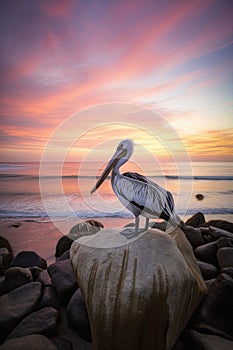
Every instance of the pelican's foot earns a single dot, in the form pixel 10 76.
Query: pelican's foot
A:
pixel 129 233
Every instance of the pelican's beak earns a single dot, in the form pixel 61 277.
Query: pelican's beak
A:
pixel 117 155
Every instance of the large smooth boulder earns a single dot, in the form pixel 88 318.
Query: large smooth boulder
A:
pixel 16 305
pixel 44 321
pixel 139 292
pixel 32 342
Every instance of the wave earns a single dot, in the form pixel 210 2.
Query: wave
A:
pixel 91 177
pixel 99 214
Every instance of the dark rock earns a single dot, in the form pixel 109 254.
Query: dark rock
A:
pixel 209 282
pixel 63 245
pixel 14 278
pixel 199 196
pixel 208 271
pixel 63 279
pixel 160 225
pixel 222 224
pixel 64 256
pixel 61 343
pixel 225 257
pixel 35 270
pixel 77 316
pixel 84 228
pixel 228 271
pixel 207 253
pixel 6 254
pixel 29 259
pixel 216 310
pixel 193 235
pixel 179 345
pixel 44 321
pixel 16 225
pixel 45 279
pixel 95 223
pixel 49 298
pixel 196 220
pixel 16 305
pixel 225 242
pixel 32 342
pixel 199 341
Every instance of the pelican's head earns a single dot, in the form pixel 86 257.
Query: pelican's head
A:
pixel 123 153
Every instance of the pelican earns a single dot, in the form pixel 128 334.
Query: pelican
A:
pixel 137 193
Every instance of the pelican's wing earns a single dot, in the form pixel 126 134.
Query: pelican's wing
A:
pixel 146 195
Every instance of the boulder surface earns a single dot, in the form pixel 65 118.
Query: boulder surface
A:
pixel 139 292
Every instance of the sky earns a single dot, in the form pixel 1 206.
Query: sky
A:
pixel 62 57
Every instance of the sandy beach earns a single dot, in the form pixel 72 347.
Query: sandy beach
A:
pixel 42 235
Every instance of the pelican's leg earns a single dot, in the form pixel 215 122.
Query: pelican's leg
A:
pixel 131 232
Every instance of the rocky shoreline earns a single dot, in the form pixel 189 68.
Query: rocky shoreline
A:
pixel 42 306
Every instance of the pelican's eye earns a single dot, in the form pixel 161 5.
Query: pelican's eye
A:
pixel 120 147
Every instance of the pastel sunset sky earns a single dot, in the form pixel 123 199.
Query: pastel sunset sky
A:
pixel 59 57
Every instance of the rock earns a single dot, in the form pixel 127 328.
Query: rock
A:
pixel 199 341
pixel 193 235
pixel 199 196
pixel 63 245
pixel 217 233
pixel 225 242
pixel 14 278
pixel 160 225
pixel 49 298
pixel 45 279
pixel 36 271
pixel 209 282
pixel 16 225
pixel 43 321
pixel 179 345
pixel 222 224
pixel 18 304
pixel 228 271
pixel 65 255
pixel 196 220
pixel 137 291
pixel 216 311
pixel 63 279
pixel 85 228
pixel 207 253
pixel 29 259
pixel 61 343
pixel 6 254
pixel 32 342
pixel 77 316
pixel 225 257
pixel 208 271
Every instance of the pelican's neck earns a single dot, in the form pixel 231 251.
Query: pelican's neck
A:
pixel 116 169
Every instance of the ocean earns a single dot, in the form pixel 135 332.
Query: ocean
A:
pixel 61 191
